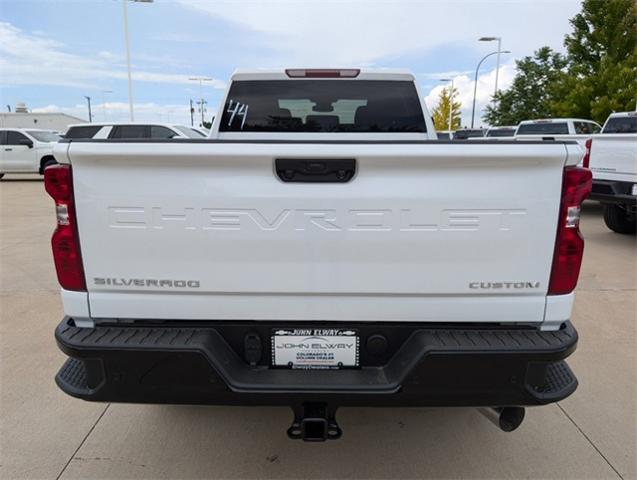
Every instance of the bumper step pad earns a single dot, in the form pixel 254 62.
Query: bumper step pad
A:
pixel 72 377
pixel 559 378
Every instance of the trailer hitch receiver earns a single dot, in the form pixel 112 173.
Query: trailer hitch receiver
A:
pixel 314 422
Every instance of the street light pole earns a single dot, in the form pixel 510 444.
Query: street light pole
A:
pixel 497 68
pixel 90 114
pixel 450 100
pixel 475 82
pixel 128 67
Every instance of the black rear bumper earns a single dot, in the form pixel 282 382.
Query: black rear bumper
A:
pixel 425 366
pixel 612 191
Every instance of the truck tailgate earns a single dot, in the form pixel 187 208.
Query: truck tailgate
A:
pixel 614 157
pixel 423 232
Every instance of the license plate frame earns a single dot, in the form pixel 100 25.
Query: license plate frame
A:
pixel 315 348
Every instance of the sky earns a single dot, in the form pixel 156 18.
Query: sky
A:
pixel 53 53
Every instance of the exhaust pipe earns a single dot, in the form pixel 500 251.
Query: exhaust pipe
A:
pixel 506 419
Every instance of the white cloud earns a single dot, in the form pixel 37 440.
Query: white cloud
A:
pixel 448 74
pixel 484 92
pixel 35 60
pixel 316 33
pixel 106 55
pixel 351 32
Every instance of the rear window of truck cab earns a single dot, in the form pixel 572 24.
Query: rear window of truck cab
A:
pixel 82 132
pixel 322 106
pixel 501 132
pixel 543 128
pixel 621 125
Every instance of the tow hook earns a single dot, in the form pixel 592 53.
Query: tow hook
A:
pixel 314 422
pixel 506 419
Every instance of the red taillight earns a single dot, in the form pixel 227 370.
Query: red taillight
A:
pixel 322 72
pixel 587 155
pixel 65 242
pixel 569 244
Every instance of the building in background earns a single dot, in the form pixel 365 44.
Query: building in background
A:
pixel 22 118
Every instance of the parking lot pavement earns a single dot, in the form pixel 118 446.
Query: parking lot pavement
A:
pixel 46 434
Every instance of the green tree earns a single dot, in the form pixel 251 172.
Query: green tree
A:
pixel 533 91
pixel 602 69
pixel 440 112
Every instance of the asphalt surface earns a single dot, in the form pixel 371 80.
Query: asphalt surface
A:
pixel 46 434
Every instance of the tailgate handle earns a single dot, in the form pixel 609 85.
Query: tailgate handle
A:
pixel 311 170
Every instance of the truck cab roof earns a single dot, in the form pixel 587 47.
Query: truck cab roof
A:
pixel 623 114
pixel 324 73
pixel 554 120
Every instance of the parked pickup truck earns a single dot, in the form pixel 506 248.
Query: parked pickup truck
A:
pixel 612 157
pixel 132 131
pixel 26 150
pixel 321 250
pixel 577 129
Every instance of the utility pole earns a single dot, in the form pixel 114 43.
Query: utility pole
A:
pixel 203 106
pixel 90 114
pixel 192 114
pixel 201 101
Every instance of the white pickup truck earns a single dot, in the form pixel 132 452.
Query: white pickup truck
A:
pixel 127 130
pixel 577 129
pixel 26 150
pixel 321 250
pixel 573 129
pixel 612 157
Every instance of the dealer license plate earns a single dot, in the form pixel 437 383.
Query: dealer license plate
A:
pixel 315 348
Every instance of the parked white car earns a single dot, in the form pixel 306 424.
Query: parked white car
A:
pixel 26 150
pixel 126 131
pixel 612 157
pixel 204 131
